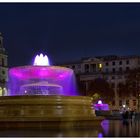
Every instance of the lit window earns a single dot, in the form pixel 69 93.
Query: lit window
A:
pixel 0 91
pixel 100 66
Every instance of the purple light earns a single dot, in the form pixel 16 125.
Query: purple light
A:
pixel 36 75
pixel 101 106
pixel 105 126
pixel 41 79
pixel 100 135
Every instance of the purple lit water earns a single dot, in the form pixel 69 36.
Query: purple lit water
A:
pixel 41 79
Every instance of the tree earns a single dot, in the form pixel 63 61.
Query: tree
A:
pixel 102 88
pixel 133 83
pixel 80 85
pixel 124 90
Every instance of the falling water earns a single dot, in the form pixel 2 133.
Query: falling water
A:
pixel 42 79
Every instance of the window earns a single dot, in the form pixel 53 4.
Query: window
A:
pixel 3 72
pixel 120 102
pixel 113 70
pixel 120 69
pixel 120 63
pixel 93 67
pixel 113 102
pixel 127 102
pixel 113 77
pixel 73 67
pixel 106 63
pixel 120 77
pixel 2 61
pixel 0 91
pixel 127 68
pixel 113 63
pixel 86 66
pixel 78 66
pixel 106 69
pixel 112 85
pixel 127 62
pixel 100 66
pixel 134 102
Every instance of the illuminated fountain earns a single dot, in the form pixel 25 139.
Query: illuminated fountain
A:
pixel 41 79
pixel 44 93
pixel 101 106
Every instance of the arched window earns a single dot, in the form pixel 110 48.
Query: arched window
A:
pixel 2 62
pixel 4 91
pixel 0 91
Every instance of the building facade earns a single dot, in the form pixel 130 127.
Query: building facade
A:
pixel 111 68
pixel 3 68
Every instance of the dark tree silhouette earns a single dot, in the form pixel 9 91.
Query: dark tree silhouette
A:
pixel 102 88
pixel 133 84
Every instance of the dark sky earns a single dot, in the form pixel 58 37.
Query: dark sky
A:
pixel 67 32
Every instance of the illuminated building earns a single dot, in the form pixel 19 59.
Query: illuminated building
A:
pixel 112 69
pixel 3 68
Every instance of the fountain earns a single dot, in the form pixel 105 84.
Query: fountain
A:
pixel 101 106
pixel 45 95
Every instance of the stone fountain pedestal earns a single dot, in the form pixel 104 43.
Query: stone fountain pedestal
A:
pixel 52 112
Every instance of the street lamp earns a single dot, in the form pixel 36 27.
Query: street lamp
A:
pixel 124 106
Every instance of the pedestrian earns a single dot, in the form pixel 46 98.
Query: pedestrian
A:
pixel 125 117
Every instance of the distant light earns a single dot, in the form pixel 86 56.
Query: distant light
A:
pixel 41 60
pixel 100 102
pixel 25 91
pixel 123 106
pixel 100 65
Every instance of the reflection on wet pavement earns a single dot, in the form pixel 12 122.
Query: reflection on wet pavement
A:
pixel 110 128
pixel 116 128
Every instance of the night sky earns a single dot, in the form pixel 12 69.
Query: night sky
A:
pixel 67 32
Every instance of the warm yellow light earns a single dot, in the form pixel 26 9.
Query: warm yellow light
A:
pixel 100 66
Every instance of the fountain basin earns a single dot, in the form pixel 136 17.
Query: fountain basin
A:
pixel 47 111
pixel 45 107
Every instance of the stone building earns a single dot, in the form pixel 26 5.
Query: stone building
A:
pixel 111 68
pixel 3 68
